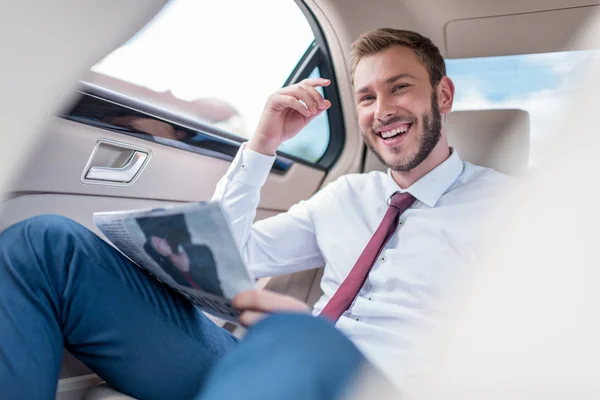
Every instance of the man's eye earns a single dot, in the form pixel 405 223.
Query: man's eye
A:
pixel 400 87
pixel 366 98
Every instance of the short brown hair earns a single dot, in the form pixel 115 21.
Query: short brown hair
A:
pixel 375 41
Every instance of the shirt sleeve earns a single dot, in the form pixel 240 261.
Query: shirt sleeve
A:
pixel 278 245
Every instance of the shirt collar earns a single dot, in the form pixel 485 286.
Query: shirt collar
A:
pixel 434 184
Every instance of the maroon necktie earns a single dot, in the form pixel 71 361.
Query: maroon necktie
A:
pixel 348 290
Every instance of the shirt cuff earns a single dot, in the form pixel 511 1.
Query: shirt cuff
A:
pixel 250 168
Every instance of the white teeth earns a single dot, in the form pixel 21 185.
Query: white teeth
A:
pixel 394 132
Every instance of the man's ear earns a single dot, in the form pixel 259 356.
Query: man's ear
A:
pixel 445 95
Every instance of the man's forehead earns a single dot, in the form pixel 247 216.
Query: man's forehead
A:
pixel 387 66
pixel 386 81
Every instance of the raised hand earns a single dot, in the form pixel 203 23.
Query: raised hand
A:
pixel 286 112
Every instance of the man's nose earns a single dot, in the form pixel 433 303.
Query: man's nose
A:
pixel 385 109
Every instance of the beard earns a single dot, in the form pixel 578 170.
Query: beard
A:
pixel 428 138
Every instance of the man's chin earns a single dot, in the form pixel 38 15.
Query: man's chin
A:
pixel 391 157
pixel 395 162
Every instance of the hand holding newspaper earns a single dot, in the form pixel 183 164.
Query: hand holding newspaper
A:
pixel 188 247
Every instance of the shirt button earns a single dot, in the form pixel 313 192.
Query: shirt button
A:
pixel 357 319
pixel 369 299
pixel 382 258
pixel 243 166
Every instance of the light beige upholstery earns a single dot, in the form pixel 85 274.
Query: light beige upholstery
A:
pixel 303 285
pixel 497 139
pixel 105 392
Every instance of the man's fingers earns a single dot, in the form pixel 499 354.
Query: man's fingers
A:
pixel 267 301
pixel 320 102
pixel 301 92
pixel 249 318
pixel 281 101
pixel 316 82
pixel 305 91
pixel 257 304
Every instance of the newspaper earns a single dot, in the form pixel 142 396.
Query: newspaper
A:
pixel 188 247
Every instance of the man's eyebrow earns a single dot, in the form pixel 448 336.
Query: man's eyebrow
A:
pixel 388 81
pixel 399 76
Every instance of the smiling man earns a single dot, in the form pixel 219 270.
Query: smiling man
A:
pixel 392 244
pixel 401 93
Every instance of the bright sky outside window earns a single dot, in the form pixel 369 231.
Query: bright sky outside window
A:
pixel 212 55
pixel 535 82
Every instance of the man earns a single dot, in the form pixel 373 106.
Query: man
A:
pixel 389 242
pixel 402 95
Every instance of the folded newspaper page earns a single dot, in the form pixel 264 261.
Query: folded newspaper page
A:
pixel 188 247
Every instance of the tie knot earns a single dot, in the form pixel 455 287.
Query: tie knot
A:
pixel 402 201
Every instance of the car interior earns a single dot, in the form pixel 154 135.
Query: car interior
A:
pixel 91 139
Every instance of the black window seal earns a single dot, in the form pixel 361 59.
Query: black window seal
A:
pixel 309 61
pixel 321 57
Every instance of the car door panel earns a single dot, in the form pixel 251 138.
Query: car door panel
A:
pixel 51 180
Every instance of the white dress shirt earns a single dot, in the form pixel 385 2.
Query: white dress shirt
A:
pixel 439 238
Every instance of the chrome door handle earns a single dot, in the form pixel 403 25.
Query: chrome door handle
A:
pixel 123 174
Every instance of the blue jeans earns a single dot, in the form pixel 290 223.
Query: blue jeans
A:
pixel 62 286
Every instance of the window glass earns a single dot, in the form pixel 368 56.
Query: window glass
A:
pixel 534 82
pixel 216 62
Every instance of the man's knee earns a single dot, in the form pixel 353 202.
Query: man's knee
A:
pixel 311 338
pixel 47 226
pixel 288 353
pixel 299 325
pixel 40 237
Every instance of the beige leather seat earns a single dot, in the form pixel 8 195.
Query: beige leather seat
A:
pixel 497 139
pixel 105 392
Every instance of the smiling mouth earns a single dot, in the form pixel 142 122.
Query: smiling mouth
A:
pixel 392 134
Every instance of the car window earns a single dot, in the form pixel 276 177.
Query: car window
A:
pixel 217 62
pixel 534 82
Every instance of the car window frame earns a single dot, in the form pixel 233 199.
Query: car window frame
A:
pixel 227 143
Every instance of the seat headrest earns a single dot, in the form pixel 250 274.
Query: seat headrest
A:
pixel 497 139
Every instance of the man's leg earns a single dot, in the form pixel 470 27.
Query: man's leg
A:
pixel 286 356
pixel 61 285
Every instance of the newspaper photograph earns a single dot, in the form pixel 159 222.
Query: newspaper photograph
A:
pixel 189 247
